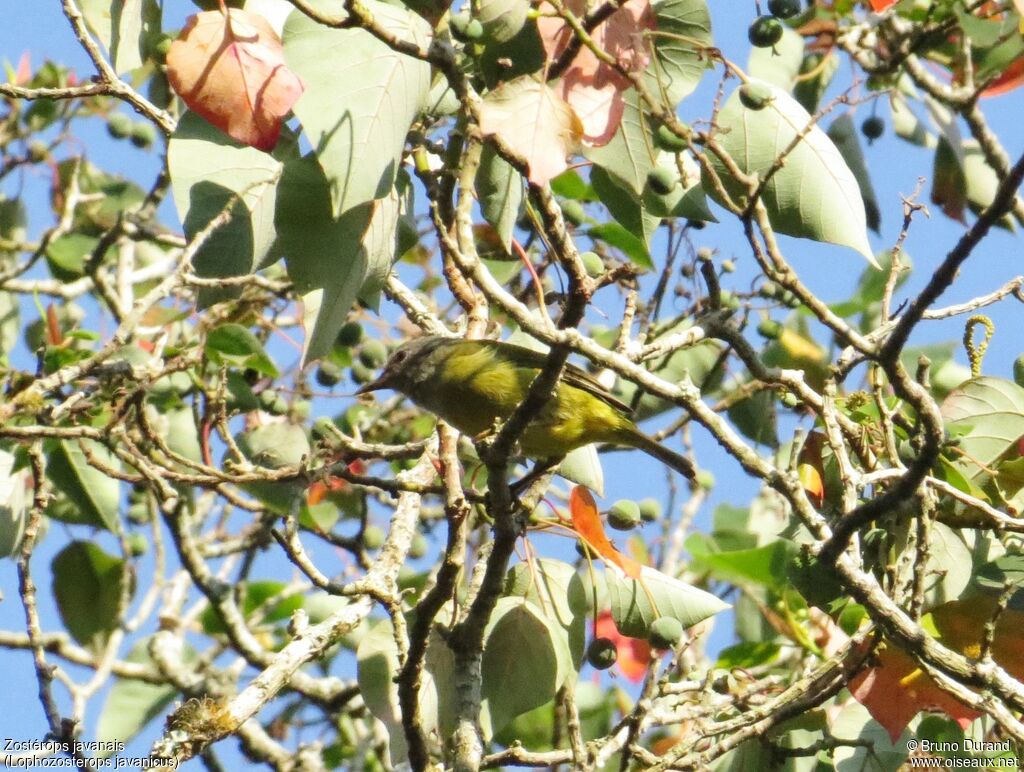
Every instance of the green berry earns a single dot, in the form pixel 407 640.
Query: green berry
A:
pixel 137 544
pixel 755 96
pixel 350 334
pixel 322 428
pixel 665 633
pixel 624 515
pixel 418 548
pixel 784 9
pixel 373 537
pixel 650 510
pixel 267 398
pixel 593 264
pixel 728 266
pixel 1018 370
pixel 373 353
pixel 668 140
pixel 584 551
pixel 300 409
pixel 770 329
pixel 705 254
pixel 143 134
pixel 601 653
pixel 138 513
pixel 790 400
pixel 465 28
pixel 280 406
pixel 328 374
pixel 705 479
pixel 361 374
pixel 765 32
pixel 769 290
pixel 573 212
pixel 873 128
pixel 662 181
pixel 119 125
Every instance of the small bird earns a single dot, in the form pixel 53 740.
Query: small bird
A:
pixel 473 383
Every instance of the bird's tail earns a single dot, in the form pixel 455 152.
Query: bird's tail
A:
pixel 637 439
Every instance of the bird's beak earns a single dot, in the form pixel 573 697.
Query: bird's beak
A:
pixel 383 381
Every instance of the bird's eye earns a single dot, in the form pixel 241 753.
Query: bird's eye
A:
pixel 399 357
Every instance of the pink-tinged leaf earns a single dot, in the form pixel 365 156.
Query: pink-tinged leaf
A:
pixel 24 72
pixel 621 36
pixel 599 109
pixel 231 71
pixel 535 122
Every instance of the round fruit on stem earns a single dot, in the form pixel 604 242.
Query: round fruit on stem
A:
pixel 765 32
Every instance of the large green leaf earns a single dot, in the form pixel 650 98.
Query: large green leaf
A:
pixel 361 97
pixel 631 601
pixel 764 565
pixel 87 588
pixel 631 154
pixel 526 659
pixel 132 704
pixel 987 414
pixel 624 205
pixel 208 169
pixel 583 467
pixel 557 589
pixel 123 27
pixel 683 31
pixel 93 494
pixel 233 344
pixel 814 194
pixel 500 190
pixel 275 446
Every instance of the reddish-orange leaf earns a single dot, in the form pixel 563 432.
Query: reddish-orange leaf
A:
pixel 231 71
pixel 896 689
pixel 586 521
pixel 54 334
pixel 880 5
pixel 632 654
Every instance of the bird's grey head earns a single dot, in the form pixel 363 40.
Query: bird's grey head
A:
pixel 411 364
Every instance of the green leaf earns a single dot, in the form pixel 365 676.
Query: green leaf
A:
pixel 557 589
pixel 87 588
pixel 526 660
pixel 131 704
pixel 123 27
pixel 846 138
pixel 361 97
pixel 211 172
pixel 500 190
pixel 275 446
pixel 988 415
pixel 747 655
pixel 779 64
pixel 809 91
pixel 814 195
pixel 94 495
pixel 982 183
pixel 264 596
pixel 757 419
pixel 877 750
pixel 615 235
pixel 583 467
pixel 764 565
pixel 624 205
pixel 331 259
pixel 237 346
pixel 684 32
pixel 631 154
pixel 376 669
pixel 67 255
pixel 631 601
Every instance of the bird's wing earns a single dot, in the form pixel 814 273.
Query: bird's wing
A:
pixel 572 375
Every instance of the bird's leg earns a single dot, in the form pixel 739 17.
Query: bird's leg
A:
pixel 540 468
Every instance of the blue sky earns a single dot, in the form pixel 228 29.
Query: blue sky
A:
pixel 39 27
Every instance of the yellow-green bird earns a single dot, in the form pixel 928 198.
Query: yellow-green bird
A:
pixel 473 383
